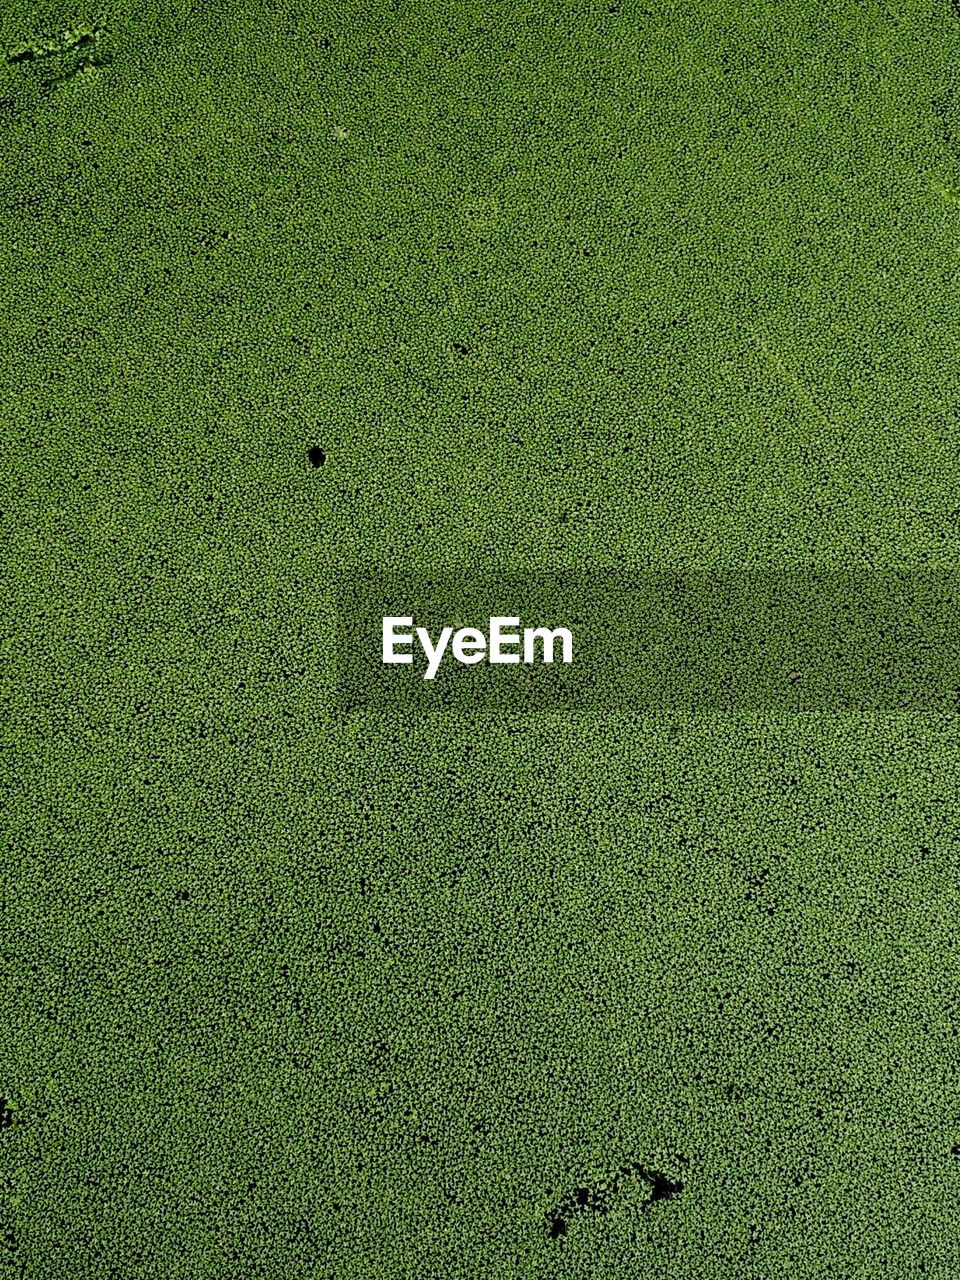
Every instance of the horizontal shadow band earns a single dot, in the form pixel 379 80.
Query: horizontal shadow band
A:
pixel 770 640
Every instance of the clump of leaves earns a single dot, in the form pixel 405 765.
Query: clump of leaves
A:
pixel 76 49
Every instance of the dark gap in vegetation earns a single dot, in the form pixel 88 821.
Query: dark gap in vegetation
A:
pixel 6 1115
pixel 599 1197
pixel 316 455
pixel 661 1186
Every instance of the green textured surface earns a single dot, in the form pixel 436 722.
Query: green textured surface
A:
pixel 289 993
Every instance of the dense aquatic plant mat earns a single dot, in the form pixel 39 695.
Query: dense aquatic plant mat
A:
pixel 300 987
